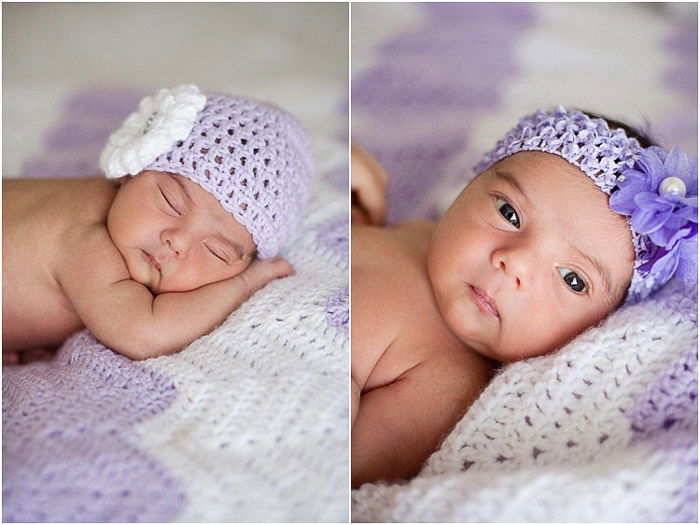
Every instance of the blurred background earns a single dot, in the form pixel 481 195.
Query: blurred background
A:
pixel 292 54
pixel 434 86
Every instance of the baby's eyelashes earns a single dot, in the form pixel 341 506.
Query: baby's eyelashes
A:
pixel 170 202
pixel 573 280
pixel 217 252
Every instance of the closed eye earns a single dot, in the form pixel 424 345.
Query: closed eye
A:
pixel 216 253
pixel 169 203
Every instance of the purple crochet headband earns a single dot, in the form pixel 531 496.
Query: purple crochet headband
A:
pixel 655 190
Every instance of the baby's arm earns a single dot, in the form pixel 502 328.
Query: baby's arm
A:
pixel 369 182
pixel 355 400
pixel 124 315
pixel 399 425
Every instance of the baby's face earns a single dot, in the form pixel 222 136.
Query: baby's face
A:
pixel 528 256
pixel 174 236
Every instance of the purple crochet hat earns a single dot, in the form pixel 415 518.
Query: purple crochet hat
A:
pixel 254 158
pixel 656 191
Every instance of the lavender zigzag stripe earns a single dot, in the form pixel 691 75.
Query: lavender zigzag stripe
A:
pixel 666 418
pixel 337 313
pixel 679 127
pixel 671 402
pixel 684 43
pixel 67 439
pixel 72 146
pixel 426 86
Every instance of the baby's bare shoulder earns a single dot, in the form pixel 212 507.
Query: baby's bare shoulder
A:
pixel 90 255
pixel 396 322
pixel 455 366
pixel 376 297
pixel 59 194
pixel 56 225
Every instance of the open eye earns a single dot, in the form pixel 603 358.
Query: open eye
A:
pixel 572 280
pixel 508 212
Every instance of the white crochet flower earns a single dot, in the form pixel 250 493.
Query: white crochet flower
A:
pixel 153 129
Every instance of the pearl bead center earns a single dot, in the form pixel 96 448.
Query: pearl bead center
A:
pixel 672 186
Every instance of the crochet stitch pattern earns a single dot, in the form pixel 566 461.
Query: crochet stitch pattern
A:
pixel 604 429
pixel 68 431
pixel 255 159
pixel 256 425
pixel 599 152
pixel 596 429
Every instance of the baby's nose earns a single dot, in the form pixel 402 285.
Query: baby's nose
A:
pixel 177 242
pixel 516 264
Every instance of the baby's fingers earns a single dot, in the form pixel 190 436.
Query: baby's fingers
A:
pixel 277 267
pixel 263 271
pixel 10 358
pixel 369 183
pixel 369 206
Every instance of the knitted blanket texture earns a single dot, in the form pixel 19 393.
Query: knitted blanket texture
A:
pixel 247 423
pixel 605 428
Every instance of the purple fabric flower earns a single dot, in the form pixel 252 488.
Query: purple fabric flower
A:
pixel 667 220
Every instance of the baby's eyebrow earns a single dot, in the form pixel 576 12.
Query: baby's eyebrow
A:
pixel 240 252
pixel 182 186
pixel 512 182
pixel 601 268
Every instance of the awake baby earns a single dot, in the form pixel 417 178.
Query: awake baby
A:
pixel 202 193
pixel 568 218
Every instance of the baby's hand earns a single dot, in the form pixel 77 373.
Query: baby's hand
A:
pixel 368 182
pixel 24 357
pixel 263 271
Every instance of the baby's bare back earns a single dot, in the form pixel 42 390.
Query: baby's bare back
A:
pixel 35 216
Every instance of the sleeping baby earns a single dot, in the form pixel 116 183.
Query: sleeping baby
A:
pixel 569 217
pixel 201 194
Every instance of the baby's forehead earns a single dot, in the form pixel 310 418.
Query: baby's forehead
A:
pixel 548 173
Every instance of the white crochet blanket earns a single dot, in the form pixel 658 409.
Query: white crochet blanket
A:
pixel 605 429
pixel 247 423
pixel 250 422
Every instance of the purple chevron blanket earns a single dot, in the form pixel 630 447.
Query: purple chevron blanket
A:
pixel 248 423
pixel 605 429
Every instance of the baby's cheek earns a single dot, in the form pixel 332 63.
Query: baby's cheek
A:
pixel 546 333
pixel 219 272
